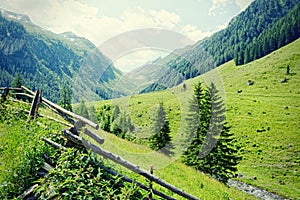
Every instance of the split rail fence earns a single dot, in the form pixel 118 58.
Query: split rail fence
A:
pixel 75 123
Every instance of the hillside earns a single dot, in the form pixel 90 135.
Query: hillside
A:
pixel 242 31
pixel 48 61
pixel 264 118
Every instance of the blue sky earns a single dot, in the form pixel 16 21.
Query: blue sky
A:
pixel 100 20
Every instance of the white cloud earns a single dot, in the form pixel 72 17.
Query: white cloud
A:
pixel 165 18
pixel 222 26
pixel 69 15
pixel 216 5
pixel 243 4
pixel 194 33
pixel 219 4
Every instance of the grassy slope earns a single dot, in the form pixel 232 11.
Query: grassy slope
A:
pixel 272 156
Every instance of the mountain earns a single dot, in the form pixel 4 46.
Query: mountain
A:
pixel 243 31
pixel 48 61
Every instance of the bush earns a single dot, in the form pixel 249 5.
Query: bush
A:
pixel 76 176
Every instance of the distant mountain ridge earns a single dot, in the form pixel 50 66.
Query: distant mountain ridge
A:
pixel 221 47
pixel 47 60
pixel 15 16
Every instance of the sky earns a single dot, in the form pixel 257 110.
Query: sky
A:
pixel 101 20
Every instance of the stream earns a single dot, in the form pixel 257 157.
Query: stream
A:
pixel 255 191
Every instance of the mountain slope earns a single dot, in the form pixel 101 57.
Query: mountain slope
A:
pixel 223 46
pixel 47 60
pixel 264 117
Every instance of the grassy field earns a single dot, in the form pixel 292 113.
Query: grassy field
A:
pixel 264 118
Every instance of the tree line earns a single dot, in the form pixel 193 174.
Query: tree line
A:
pixel 283 32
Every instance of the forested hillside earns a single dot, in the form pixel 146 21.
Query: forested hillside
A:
pixel 248 31
pixel 281 33
pixel 49 61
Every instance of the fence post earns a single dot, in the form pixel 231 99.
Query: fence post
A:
pixel 150 184
pixel 4 95
pixel 35 104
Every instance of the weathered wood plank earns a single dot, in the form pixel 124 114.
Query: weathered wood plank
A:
pixel 4 95
pixel 73 138
pixel 9 88
pixel 56 120
pixel 86 121
pixel 66 117
pixel 35 104
pixel 28 192
pixel 24 94
pixel 47 167
pixel 127 179
pixel 93 136
pixel 54 144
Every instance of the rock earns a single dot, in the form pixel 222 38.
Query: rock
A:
pixel 284 80
pixel 250 82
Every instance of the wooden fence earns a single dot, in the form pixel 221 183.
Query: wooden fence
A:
pixel 76 123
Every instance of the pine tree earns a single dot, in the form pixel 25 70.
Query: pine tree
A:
pixel 104 116
pixel 222 158
pixel 221 162
pixel 92 114
pixel 65 98
pixel 160 128
pixel 120 123
pixel 213 149
pixel 18 81
pixel 115 113
pixel 82 110
pixel 198 121
pixel 115 126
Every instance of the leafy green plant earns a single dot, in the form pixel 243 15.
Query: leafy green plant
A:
pixel 76 175
pixel 21 150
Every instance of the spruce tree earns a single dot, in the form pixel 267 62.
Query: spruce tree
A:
pixel 104 116
pixel 82 110
pixel 17 82
pixel 198 122
pixel 222 158
pixel 160 128
pixel 92 114
pixel 65 98
pixel 213 148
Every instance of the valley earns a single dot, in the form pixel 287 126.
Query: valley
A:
pixel 222 111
